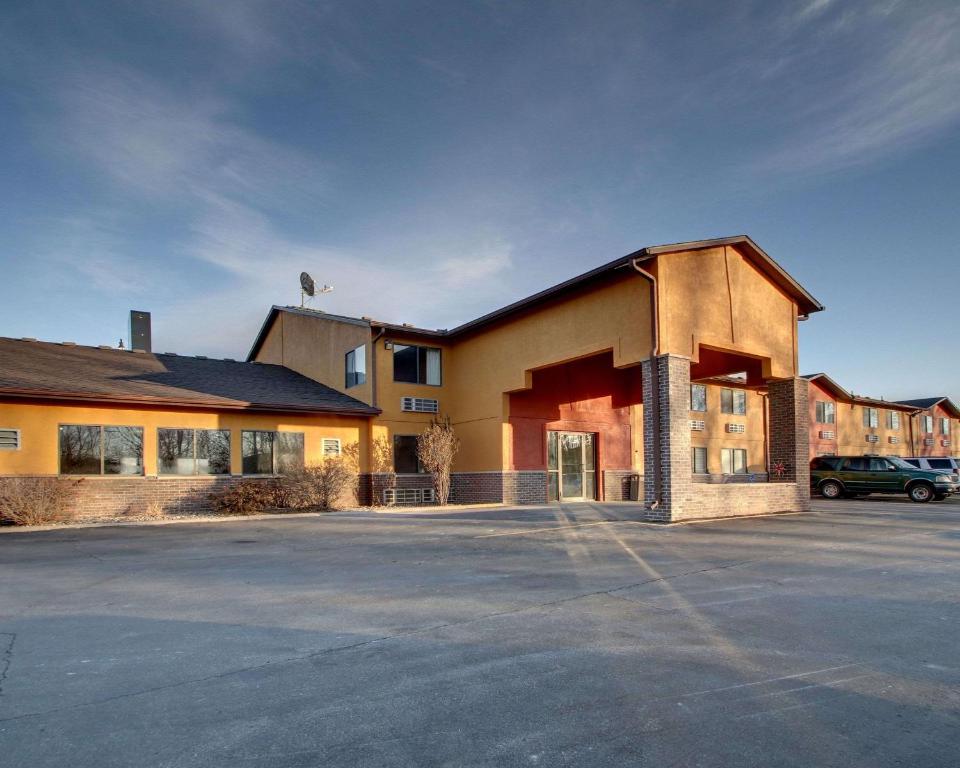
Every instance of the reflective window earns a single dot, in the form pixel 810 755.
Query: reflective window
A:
pixel 871 417
pixel 826 412
pixel 96 450
pixel 356 366
pixel 416 365
pixel 733 401
pixel 193 451
pixel 271 453
pixel 405 460
pixel 698 397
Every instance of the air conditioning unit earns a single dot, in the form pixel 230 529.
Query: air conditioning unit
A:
pixel 737 428
pixel 928 441
pixel 419 405
pixel 945 442
pixel 893 439
pixel 395 496
pixel 697 425
pixel 828 434
pixel 873 439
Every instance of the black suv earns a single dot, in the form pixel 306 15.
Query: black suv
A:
pixel 850 476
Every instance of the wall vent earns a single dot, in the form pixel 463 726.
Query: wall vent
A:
pixel 893 439
pixel 928 441
pixel 873 439
pixel 419 405
pixel 827 434
pixel 697 425
pixel 736 428
pixel 9 439
pixel 945 442
pixel 330 446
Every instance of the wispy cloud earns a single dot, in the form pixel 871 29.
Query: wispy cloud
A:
pixel 904 88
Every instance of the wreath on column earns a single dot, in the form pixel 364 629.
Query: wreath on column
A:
pixel 779 469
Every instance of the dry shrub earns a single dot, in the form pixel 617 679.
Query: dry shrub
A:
pixel 381 463
pixel 248 497
pixel 437 446
pixel 322 485
pixel 37 500
pixel 153 509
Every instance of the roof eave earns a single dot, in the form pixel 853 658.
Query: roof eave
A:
pixel 230 405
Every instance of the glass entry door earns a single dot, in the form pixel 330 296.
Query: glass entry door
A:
pixel 571 466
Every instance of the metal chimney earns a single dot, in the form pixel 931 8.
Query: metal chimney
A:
pixel 140 331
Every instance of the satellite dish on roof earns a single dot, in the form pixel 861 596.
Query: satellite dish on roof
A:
pixel 307 285
pixel 309 288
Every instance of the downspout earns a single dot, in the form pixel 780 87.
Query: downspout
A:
pixel 373 367
pixel 654 388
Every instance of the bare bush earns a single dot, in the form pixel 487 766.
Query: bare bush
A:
pixel 37 500
pixel 153 509
pixel 248 497
pixel 436 448
pixel 381 463
pixel 322 485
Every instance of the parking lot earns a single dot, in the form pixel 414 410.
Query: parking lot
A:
pixel 544 636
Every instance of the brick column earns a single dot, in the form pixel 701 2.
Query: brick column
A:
pixel 666 435
pixel 789 431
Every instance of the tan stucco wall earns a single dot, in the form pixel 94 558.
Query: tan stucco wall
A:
pixel 39 425
pixel 715 437
pixel 716 297
pixel 613 316
pixel 317 349
pixel 851 432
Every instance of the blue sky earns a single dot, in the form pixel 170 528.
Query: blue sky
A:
pixel 436 160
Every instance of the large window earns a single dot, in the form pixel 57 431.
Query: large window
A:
pixel 356 366
pixel 733 401
pixel 96 450
pixel 944 427
pixel 416 365
pixel 405 459
pixel 871 417
pixel 699 460
pixel 271 453
pixel 733 461
pixel 826 412
pixel 698 397
pixel 193 452
pixel 926 423
pixel 893 419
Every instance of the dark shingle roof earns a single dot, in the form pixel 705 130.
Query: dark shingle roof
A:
pixel 923 402
pixel 38 369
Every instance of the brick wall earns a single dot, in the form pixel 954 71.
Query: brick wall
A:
pixel 110 497
pixel 616 484
pixel 521 487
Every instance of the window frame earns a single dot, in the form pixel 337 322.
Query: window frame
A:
pixel 734 452
pixel 945 426
pixel 926 421
pixel 733 394
pixel 822 416
pixel 421 374
pixel 894 416
pixel 702 388
pixel 696 450
pixel 871 417
pixel 102 445
pixel 195 431
pixel 360 377
pixel 273 450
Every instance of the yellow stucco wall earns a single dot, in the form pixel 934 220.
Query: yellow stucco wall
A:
pixel 39 425
pixel 718 298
